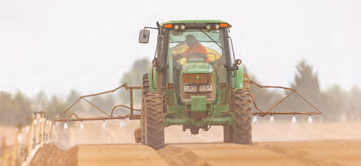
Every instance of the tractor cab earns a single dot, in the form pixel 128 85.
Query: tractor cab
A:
pixel 196 58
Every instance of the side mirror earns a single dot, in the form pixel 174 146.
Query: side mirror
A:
pixel 144 36
pixel 238 62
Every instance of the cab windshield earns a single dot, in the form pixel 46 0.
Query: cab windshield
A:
pixel 208 42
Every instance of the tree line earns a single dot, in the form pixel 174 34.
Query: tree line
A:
pixel 335 103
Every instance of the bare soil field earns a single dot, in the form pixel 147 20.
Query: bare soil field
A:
pixel 324 153
pixel 283 143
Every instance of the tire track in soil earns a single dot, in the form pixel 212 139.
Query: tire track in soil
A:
pixel 325 152
pixel 219 154
pixel 312 153
pixel 119 154
pixel 300 156
pixel 50 154
pixel 177 156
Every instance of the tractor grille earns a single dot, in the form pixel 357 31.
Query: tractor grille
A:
pixel 192 79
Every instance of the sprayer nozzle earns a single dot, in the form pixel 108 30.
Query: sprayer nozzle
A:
pixel 272 119
pixel 81 125
pixel 294 120
pixel 65 126
pixel 104 125
pixel 122 123
pixel 255 119
pixel 309 119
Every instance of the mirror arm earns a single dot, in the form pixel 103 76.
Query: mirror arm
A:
pixel 150 27
pixel 158 27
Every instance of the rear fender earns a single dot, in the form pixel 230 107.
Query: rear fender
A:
pixel 238 78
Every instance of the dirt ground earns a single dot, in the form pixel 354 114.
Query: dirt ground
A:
pixel 283 143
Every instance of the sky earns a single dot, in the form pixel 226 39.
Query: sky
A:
pixel 56 46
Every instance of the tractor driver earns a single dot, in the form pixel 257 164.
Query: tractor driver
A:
pixel 195 50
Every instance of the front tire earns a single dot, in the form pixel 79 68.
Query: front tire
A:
pixel 144 91
pixel 242 114
pixel 154 126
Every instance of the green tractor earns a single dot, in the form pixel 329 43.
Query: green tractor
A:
pixel 194 81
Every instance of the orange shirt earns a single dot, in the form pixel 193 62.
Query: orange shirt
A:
pixel 198 48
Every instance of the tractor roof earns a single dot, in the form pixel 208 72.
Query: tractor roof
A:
pixel 193 21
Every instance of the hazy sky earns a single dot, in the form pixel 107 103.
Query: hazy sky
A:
pixel 87 45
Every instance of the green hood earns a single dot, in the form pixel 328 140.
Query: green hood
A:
pixel 197 65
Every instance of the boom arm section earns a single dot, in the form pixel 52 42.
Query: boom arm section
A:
pixel 269 112
pixel 111 116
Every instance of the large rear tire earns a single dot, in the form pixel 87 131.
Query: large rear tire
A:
pixel 242 114
pixel 144 91
pixel 154 126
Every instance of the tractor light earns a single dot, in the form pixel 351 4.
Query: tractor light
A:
pixel 176 27
pixel 183 27
pixel 205 88
pixel 222 25
pixel 208 27
pixel 217 26
pixel 191 88
pixel 168 26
